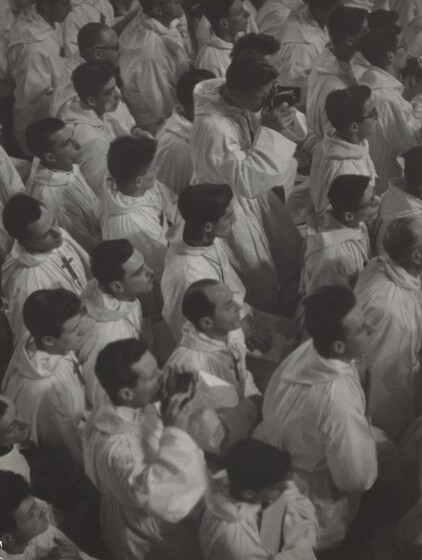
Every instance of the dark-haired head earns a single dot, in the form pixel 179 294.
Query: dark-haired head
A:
pixel 185 86
pixel 346 25
pixel 353 200
pixel 352 112
pixel 260 43
pixel 95 84
pixel 384 46
pixel 53 142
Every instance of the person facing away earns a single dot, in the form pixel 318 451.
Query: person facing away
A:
pixel 337 245
pixel 228 19
pixel 98 95
pixel 111 302
pixel 314 407
pixel 173 158
pixel 135 205
pixel 252 152
pixel 43 256
pixel 44 378
pixel 257 476
pixel 403 197
pixel 149 471
pixel 213 342
pixel 57 181
pixel 264 45
pixel 25 529
pixel 36 60
pixel 398 129
pixel 389 293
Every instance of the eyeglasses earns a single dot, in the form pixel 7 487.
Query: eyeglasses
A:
pixel 372 115
pixel 373 202
pixel 402 45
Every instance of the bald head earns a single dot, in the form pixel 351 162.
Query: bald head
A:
pixel 98 41
pixel 403 243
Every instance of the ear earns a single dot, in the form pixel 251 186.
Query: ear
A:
pixel 49 158
pixel 90 101
pixel 223 23
pixel 338 348
pixel 7 540
pixel 389 57
pixel 354 128
pixel 248 495
pixel 157 10
pixel 48 341
pixel 209 228
pixel 125 395
pixel 205 324
pixel 416 257
pixel 348 216
pixel 350 40
pixel 116 287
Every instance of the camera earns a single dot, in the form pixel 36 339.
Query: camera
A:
pixel 413 68
pixel 179 383
pixel 280 94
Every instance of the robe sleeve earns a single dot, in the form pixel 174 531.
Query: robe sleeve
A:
pixel 174 165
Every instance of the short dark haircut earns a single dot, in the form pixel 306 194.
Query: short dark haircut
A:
pixel 38 135
pixel 14 489
pixel 400 239
pixel 90 77
pixel 375 44
pixel 46 311
pixel 130 155
pixel 382 17
pixel 346 192
pixel 215 10
pixel 186 84
pixel 196 304
pixel 90 35
pixel 20 211
pixel 254 465
pixel 324 311
pixel 413 165
pixel 248 72
pixel 114 366
pixel 346 106
pixel 107 260
pixel 201 204
pixel 344 22
pixel 260 43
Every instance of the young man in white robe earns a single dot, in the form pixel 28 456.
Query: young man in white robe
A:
pixel 173 158
pixel 43 256
pixel 44 379
pixel 232 143
pixel 228 19
pixel 153 56
pixel 149 471
pixel 213 342
pixel 98 95
pixel 403 197
pixel 112 307
pixel 57 182
pixel 257 475
pixel 389 292
pixel 36 60
pixel 10 184
pixel 314 407
pixel 135 205
pixel 398 128
pixel 337 245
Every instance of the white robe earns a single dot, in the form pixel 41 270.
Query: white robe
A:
pixel 173 158
pixel 229 529
pixel 49 395
pixel 72 201
pixel 143 220
pixel 315 408
pixel 214 56
pixel 396 202
pixel 152 59
pixel 398 128
pixel 36 63
pixel 105 320
pixel 10 184
pixel 149 478
pixel 184 265
pixel 334 253
pixel 264 238
pixel 24 273
pixel 15 461
pixel 302 42
pixel 273 15
pixel 216 430
pixel 83 12
pixel 392 302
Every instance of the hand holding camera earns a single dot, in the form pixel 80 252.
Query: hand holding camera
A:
pixel 177 407
pixel 279 113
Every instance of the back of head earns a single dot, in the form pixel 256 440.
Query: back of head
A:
pixel 252 464
pixel 13 491
pixel 323 5
pixel 215 10
pixel 376 43
pixel 130 156
pixel 346 106
pixel 90 35
pixel 324 311
pixel 90 77
pixel 204 203
pixel 378 18
pixel 413 166
pixel 401 239
pixel 107 260
pixel 195 304
pixel 186 84
pixel 346 192
pixel 45 312
pixel 147 6
pixel 249 72
pixel 20 211
pixel 114 363
pixel 38 135
pixel 259 43
pixel 345 22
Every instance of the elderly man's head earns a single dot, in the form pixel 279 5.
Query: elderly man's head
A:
pixel 54 11
pixel 403 243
